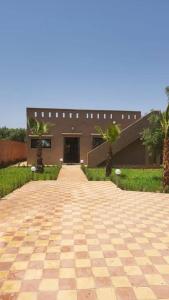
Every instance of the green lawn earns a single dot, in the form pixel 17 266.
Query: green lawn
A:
pixel 148 180
pixel 12 178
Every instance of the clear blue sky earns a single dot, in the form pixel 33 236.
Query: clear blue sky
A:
pixel 110 54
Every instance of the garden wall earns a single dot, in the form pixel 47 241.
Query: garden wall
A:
pixel 11 152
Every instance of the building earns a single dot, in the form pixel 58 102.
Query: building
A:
pixel 74 138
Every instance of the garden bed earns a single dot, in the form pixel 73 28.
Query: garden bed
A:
pixel 147 180
pixel 12 178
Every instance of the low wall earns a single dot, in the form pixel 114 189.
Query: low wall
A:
pixel 11 152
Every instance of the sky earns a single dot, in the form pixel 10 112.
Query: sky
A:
pixel 94 54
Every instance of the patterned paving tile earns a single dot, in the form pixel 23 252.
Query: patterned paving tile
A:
pixel 79 240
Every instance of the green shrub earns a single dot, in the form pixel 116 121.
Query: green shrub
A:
pixel 12 178
pixel 148 180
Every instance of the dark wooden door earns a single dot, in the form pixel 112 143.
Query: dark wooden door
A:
pixel 71 150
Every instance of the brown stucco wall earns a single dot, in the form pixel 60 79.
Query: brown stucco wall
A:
pixel 12 151
pixel 83 127
pixel 132 155
pixel 127 149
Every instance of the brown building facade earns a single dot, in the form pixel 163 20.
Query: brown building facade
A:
pixel 73 135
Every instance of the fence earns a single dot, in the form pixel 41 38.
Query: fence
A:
pixel 11 152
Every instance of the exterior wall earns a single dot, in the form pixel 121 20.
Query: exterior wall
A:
pixel 127 149
pixel 12 151
pixel 133 155
pixel 75 123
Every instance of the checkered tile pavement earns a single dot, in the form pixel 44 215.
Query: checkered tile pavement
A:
pixel 79 240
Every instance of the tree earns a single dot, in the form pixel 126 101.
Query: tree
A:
pixel 110 135
pixel 167 92
pixel 14 134
pixel 165 130
pixel 156 137
pixel 153 137
pixel 39 128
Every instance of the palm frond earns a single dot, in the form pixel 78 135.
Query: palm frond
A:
pixel 167 91
pixel 167 112
pixel 38 127
pixel 110 134
pixel 31 123
pixel 165 123
pixel 100 131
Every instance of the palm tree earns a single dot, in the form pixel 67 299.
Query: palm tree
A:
pixel 39 128
pixel 110 135
pixel 167 92
pixel 165 129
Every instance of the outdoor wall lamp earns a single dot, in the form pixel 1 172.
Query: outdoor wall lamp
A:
pixel 81 161
pixel 61 161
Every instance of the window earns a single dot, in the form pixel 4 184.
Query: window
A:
pixel 77 115
pixel 63 115
pixel 97 141
pixel 128 117
pixel 42 114
pixel 35 114
pixel 122 116
pixel 70 115
pixel 104 116
pixel 91 116
pixel 98 116
pixel 50 114
pixel 135 117
pixel 46 143
pixel 87 116
pixel 111 116
pixel 57 115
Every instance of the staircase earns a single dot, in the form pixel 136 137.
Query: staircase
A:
pixel 128 135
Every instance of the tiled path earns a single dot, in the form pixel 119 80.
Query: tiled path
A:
pixel 79 240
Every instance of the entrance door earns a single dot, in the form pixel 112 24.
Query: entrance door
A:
pixel 71 150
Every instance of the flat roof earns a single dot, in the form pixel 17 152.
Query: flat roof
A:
pixel 81 109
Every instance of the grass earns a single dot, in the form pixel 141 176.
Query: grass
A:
pixel 12 178
pixel 147 180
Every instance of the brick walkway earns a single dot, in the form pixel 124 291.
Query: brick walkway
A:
pixel 79 240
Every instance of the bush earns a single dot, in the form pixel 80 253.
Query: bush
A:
pixel 147 180
pixel 12 178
